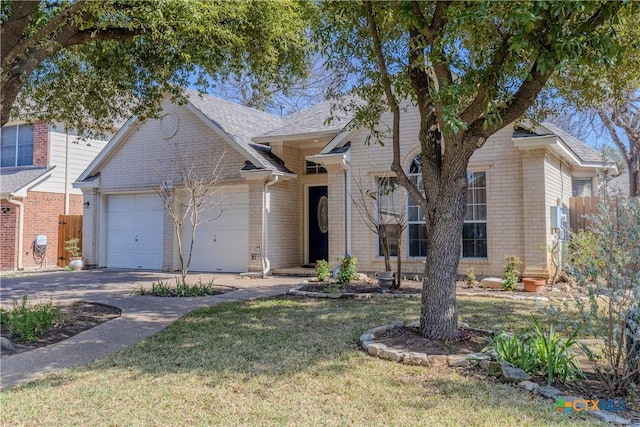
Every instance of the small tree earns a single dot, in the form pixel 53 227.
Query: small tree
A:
pixel 611 313
pixel 194 192
pixel 386 215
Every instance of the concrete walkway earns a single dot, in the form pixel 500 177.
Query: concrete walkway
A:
pixel 142 316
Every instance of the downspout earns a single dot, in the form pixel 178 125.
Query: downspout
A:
pixel 20 228
pixel 265 225
pixel 347 202
pixel 66 172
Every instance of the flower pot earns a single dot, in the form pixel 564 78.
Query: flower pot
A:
pixel 76 263
pixel 533 285
pixel 385 279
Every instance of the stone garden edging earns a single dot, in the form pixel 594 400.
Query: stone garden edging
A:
pixel 486 361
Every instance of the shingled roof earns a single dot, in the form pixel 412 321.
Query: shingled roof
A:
pixel 583 151
pixel 311 120
pixel 241 123
pixel 16 179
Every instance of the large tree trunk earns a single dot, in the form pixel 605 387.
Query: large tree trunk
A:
pixel 444 220
pixel 634 173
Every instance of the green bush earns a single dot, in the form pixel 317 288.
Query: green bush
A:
pixel 28 322
pixel 510 274
pixel 583 255
pixel 323 271
pixel 181 289
pixel 539 352
pixel 347 271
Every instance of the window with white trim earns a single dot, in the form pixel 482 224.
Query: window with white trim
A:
pixel 312 168
pixel 389 204
pixel 16 146
pixel 417 229
pixel 582 187
pixel 474 230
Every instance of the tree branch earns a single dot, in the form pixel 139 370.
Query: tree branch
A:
pixel 392 102
pixel 43 33
pixel 14 27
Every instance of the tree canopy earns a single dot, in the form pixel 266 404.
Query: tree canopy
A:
pixel 98 62
pixel 470 68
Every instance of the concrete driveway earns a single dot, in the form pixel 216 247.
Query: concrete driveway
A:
pixel 141 317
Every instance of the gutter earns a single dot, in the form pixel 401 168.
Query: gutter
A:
pixel 20 205
pixel 266 268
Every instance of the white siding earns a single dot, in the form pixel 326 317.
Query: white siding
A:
pixel 81 153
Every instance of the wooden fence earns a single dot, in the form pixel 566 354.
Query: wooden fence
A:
pixel 578 208
pixel 69 227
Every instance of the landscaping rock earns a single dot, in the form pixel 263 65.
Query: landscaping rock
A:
pixel 438 360
pixel 415 358
pixel 610 417
pixel 366 344
pixel 549 392
pixel 374 349
pixel 492 283
pixel 478 356
pixel 513 375
pixel 458 362
pixel 6 344
pixel 367 337
pixel 528 385
pixel 390 354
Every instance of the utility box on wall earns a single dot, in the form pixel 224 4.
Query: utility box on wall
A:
pixel 556 217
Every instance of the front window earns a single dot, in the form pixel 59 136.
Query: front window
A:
pixel 582 187
pixel 313 168
pixel 416 226
pixel 16 146
pixel 389 202
pixel 474 231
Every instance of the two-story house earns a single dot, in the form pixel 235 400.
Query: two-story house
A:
pixel 39 161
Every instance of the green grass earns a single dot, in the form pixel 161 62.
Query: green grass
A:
pixel 281 361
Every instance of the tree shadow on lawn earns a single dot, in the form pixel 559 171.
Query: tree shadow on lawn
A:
pixel 283 334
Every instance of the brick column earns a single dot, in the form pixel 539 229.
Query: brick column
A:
pixel 536 214
pixel 40 143
pixel 9 229
pixel 337 212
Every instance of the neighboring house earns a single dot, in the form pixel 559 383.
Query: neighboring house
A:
pixel 39 162
pixel 288 185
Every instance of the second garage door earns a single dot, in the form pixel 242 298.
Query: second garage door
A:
pixel 222 239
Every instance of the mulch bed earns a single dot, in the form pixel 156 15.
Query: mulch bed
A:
pixel 77 317
pixel 408 339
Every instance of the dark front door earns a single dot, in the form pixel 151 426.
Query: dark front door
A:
pixel 318 221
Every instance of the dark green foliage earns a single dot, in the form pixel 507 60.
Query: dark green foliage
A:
pixel 28 322
pixel 322 270
pixel 347 271
pixel 181 289
pixel 539 352
pixel 511 274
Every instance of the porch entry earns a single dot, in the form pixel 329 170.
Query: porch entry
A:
pixel 318 220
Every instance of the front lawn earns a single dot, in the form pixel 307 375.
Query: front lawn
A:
pixel 281 361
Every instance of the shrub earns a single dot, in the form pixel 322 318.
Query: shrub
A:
pixel 181 289
pixel 347 271
pixel 539 352
pixel 323 271
pixel 28 322
pixel 471 278
pixel 610 277
pixel 510 274
pixel 582 255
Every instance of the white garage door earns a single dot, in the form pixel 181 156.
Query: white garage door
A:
pixel 134 231
pixel 221 241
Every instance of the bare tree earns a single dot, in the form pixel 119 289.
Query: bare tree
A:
pixel 186 199
pixel 385 217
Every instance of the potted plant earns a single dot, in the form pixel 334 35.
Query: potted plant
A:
pixel 532 284
pixel 73 248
